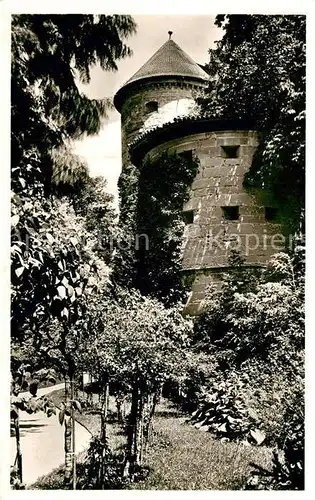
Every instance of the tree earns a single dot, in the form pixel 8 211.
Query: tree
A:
pixel 138 344
pixel 257 73
pixel 50 264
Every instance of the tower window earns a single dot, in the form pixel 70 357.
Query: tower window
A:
pixel 188 216
pixel 187 155
pixel 152 106
pixel 230 151
pixel 271 213
pixel 230 213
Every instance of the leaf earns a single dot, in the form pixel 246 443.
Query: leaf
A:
pixel 32 404
pixel 61 416
pixel 33 386
pixel 77 406
pixel 222 428
pixel 65 313
pixel 61 291
pixel 259 436
pixel 78 291
pixel 50 238
pixel 14 220
pixel 231 419
pixel 204 428
pixel 19 271
pixel 64 281
pixel 60 265
pixel 70 290
pixel 30 230
pixel 74 241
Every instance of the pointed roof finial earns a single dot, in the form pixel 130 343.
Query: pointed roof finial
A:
pixel 170 34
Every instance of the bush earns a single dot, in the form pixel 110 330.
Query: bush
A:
pixel 102 469
pixel 255 328
pixel 222 412
pixel 288 459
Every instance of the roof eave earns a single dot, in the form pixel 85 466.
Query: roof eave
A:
pixel 181 128
pixel 121 93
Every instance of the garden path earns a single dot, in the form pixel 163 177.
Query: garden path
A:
pixel 42 441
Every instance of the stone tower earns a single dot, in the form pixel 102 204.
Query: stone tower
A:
pixel 157 114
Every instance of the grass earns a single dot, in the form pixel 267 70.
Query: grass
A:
pixel 180 457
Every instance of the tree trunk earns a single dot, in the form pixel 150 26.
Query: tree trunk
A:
pixel 68 451
pixel 74 464
pixel 104 431
pixel 68 439
pixel 119 399
pixel 152 403
pixel 131 430
pixel 67 389
pixel 139 428
pixel 18 448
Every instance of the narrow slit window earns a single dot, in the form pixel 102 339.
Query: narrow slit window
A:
pixel 188 155
pixel 188 216
pixel 271 214
pixel 152 106
pixel 230 151
pixel 231 213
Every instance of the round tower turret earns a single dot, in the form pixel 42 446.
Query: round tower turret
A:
pixel 164 86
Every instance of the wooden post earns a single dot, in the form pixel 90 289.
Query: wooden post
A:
pixel 139 427
pixel 131 430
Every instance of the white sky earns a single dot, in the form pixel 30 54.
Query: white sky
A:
pixel 194 34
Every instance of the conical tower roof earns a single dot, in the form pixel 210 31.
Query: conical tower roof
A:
pixel 168 61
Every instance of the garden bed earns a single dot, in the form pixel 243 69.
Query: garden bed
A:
pixel 180 457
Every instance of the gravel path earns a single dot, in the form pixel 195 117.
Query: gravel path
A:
pixel 42 441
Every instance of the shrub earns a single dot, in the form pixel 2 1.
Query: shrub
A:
pixel 102 469
pixel 288 459
pixel 222 412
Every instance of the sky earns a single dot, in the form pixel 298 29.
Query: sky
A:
pixel 194 34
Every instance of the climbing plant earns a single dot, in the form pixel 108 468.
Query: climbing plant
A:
pixel 155 256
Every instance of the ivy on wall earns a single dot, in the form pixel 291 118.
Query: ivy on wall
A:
pixel 150 256
pixel 164 186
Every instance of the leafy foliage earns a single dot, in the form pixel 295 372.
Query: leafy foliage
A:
pixel 222 412
pixel 137 334
pixel 288 460
pixel 257 72
pixel 50 248
pixel 253 335
pixel 154 260
pixel 93 477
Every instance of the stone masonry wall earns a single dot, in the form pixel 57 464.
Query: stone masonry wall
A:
pixel 219 184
